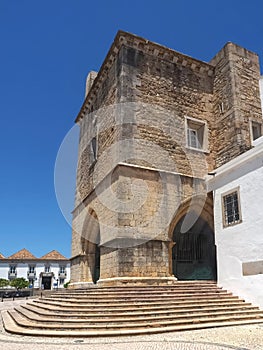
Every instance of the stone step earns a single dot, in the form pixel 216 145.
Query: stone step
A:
pixel 12 327
pixel 23 322
pixel 146 297
pixel 130 311
pixel 167 310
pixel 134 289
pixel 175 284
pixel 138 303
pixel 131 319
pixel 137 294
pixel 127 291
pixel 120 298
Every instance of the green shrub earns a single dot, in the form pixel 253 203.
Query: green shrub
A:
pixel 4 283
pixel 19 283
pixel 66 284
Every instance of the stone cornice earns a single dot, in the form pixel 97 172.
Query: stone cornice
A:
pixel 148 47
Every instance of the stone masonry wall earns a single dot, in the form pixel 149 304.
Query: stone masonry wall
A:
pixel 137 109
pixel 166 90
pixel 236 101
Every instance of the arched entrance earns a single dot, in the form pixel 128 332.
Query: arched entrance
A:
pixel 96 269
pixel 194 251
pixel 90 245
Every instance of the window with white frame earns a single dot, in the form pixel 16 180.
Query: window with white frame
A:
pixel 47 268
pixel 196 133
pixel 231 208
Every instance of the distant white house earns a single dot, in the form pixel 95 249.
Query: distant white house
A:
pixel 238 217
pixel 48 272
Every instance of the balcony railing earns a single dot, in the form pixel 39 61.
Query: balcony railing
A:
pixel 62 274
pixel 31 275
pixel 12 275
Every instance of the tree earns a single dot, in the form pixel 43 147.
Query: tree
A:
pixel 19 283
pixel 4 283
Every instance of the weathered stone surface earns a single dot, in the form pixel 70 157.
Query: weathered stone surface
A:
pixel 137 174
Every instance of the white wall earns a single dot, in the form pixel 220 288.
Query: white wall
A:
pixel 242 242
pixel 4 268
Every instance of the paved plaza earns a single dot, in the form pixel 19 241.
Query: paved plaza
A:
pixel 240 338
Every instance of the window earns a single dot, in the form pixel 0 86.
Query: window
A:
pixel 12 269
pixel 192 138
pixel 47 268
pixel 61 280
pixel 94 148
pixel 31 269
pixel 221 107
pixel 256 130
pixel 62 269
pixel 196 131
pixel 231 208
pixel 94 141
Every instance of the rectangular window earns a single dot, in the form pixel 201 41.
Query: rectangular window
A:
pixel 47 268
pixel 231 208
pixel 256 130
pixel 31 269
pixel 196 132
pixel 94 147
pixel 62 269
pixel 94 144
pixel 193 138
pixel 12 269
pixel 221 107
pixel 61 280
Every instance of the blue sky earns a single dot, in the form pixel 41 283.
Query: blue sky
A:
pixel 47 49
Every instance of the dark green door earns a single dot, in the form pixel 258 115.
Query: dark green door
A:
pixel 97 264
pixel 194 252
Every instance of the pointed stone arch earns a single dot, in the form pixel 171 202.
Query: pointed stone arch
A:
pixel 90 246
pixel 192 253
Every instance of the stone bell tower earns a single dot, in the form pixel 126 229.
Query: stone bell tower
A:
pixel 153 124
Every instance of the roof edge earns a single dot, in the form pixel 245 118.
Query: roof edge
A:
pixel 121 38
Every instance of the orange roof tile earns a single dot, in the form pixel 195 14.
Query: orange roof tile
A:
pixel 53 255
pixel 1 256
pixel 22 254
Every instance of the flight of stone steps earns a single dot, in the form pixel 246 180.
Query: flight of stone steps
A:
pixel 130 310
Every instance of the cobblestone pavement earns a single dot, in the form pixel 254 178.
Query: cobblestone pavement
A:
pixel 240 338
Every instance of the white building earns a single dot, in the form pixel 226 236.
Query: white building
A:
pixel 47 272
pixel 238 192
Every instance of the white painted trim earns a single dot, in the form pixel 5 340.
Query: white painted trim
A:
pixel 241 165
